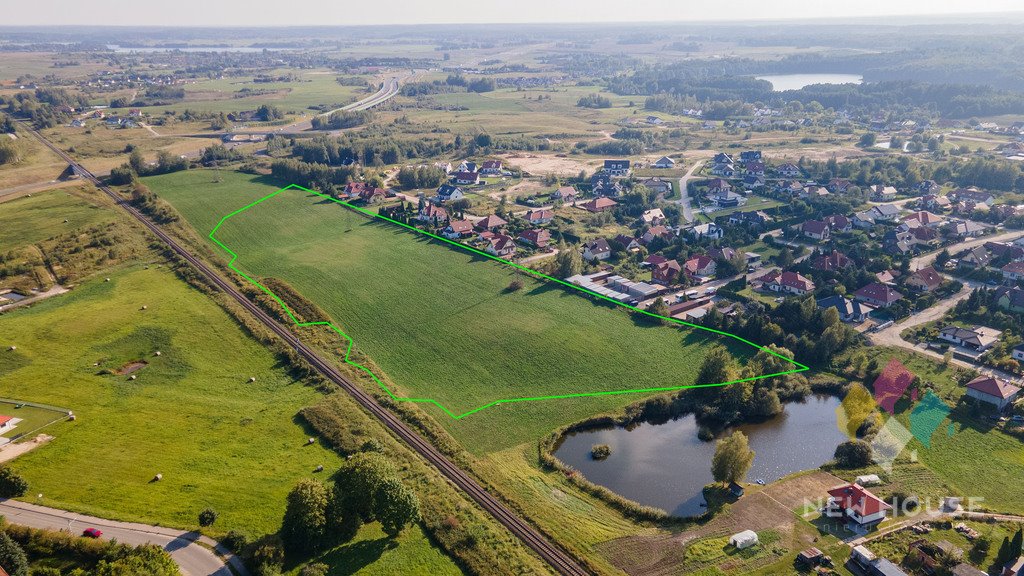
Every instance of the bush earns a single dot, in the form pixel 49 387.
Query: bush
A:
pixel 207 517
pixel 600 451
pixel 12 485
pixel 235 541
pixel 853 454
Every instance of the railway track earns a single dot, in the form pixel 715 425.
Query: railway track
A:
pixel 559 559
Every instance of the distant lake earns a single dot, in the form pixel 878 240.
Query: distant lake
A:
pixel 782 82
pixel 667 465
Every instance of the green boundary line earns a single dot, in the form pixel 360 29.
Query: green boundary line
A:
pixel 799 367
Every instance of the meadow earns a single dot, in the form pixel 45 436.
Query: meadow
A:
pixel 440 322
pixel 30 219
pixel 190 414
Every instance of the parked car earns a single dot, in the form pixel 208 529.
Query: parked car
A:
pixel 92 533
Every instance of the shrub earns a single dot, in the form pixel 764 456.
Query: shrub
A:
pixel 12 485
pixel 600 451
pixel 207 517
pixel 853 454
pixel 235 541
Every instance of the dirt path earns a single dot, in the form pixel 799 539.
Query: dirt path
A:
pixel 26 189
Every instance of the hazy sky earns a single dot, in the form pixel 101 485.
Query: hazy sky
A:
pixel 349 12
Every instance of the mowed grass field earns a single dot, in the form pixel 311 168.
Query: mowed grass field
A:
pixel 191 413
pixel 437 321
pixel 31 219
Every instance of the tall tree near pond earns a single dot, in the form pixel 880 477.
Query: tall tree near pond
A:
pixel 733 458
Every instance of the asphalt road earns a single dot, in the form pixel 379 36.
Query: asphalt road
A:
pixel 684 196
pixel 192 558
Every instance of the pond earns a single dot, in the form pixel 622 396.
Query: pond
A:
pixel 782 82
pixel 667 466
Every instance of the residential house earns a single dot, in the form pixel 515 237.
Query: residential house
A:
pixel 925 219
pixel 864 219
pixel 446 167
pixel 750 156
pixel 617 167
pixel 603 185
pixel 849 310
pixel 838 223
pixel 539 216
pixel 1018 353
pixel 491 222
pixel 974 195
pixel 838 185
pixel 975 258
pixel 964 229
pixel 701 266
pixel 927 237
pixel 888 277
pixel 723 253
pixel 886 212
pixel 1011 299
pixel 855 503
pixel 467 178
pixel 657 185
pixel 753 182
pixel 597 250
pixel 834 262
pixel 433 214
pixel 628 243
pixel 467 166
pixel 1013 272
pixel 924 280
pixel 877 295
pixel 666 272
pixel 789 282
pixel 654 216
pixel 724 170
pixel 565 194
pixel 815 229
pixel 729 199
pixel 883 193
pixel 709 230
pixel 993 391
pixel 491 167
pixel 722 158
pixel 754 169
pixel 936 203
pixel 1014 568
pixel 538 237
pixel 457 229
pixel 501 245
pixel 718 186
pixel 600 204
pixel 664 162
pixel 789 170
pixel 653 232
pixel 447 193
pixel 928 187
pixel 979 338
pixel 755 218
pixel 1005 250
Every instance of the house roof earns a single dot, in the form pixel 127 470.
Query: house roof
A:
pixel 652 214
pixel 859 499
pixel 837 221
pixel 490 221
pixel 831 262
pixel 460 226
pixel 600 203
pixel 878 292
pixel 541 214
pixel 564 191
pixel 668 267
pixel 5 419
pixel 993 387
pixel 434 212
pixel 794 280
pixel 536 235
pixel 923 217
pixel 927 276
pixel 495 164
pixel 470 176
pixel 886 210
pixel 814 227
pixel 502 242
pixel 698 263
pixel 599 245
pixel 1014 295
pixel 719 183
pixel 1014 267
pixel 723 253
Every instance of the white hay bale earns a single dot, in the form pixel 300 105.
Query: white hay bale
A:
pixel 319 468
pixel 132 377
pixel 157 353
pixel 252 379
pixel 158 477
pixel 144 307
pixel 311 441
pixel 106 279
pixel 13 347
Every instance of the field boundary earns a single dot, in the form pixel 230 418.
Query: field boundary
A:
pixel 348 349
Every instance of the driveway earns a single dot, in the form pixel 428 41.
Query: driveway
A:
pixel 190 550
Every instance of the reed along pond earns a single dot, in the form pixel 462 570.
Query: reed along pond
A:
pixel 667 466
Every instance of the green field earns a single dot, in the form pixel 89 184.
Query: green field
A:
pixel 190 415
pixel 31 219
pixel 437 321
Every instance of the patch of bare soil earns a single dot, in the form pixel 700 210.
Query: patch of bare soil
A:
pixel 539 165
pixel 133 366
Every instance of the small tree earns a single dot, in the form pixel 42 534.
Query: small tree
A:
pixel 12 485
pixel 733 458
pixel 207 517
pixel 569 262
pixel 716 367
pixel 853 454
pixel 12 557
pixel 305 517
pixel 395 506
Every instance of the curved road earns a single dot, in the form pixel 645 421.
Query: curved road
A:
pixel 193 559
pixel 559 559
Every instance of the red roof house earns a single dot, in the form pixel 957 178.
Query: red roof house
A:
pixel 856 503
